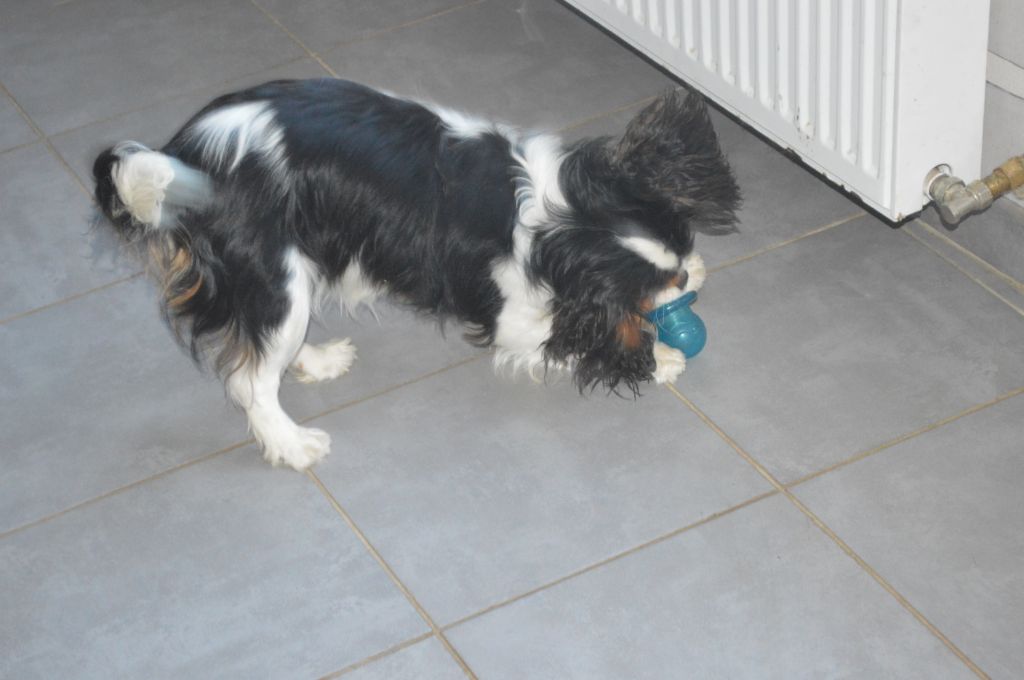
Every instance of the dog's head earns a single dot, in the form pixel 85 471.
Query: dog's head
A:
pixel 632 207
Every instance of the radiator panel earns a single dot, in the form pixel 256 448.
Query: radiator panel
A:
pixel 821 77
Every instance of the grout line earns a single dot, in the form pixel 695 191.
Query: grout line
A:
pixel 70 298
pixel 198 90
pixel 231 447
pixel 315 56
pixel 131 485
pixel 905 437
pixel 818 522
pixel 1017 285
pixel 22 112
pixel 392 388
pixel 46 140
pixel 436 631
pixel 966 273
pixel 181 95
pixel 782 244
pixel 377 657
pixel 295 39
pixel 598 116
pixel 408 24
pixel 84 189
pixel 71 171
pixel 20 146
pixel 613 558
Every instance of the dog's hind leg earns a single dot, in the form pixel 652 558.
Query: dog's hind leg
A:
pixel 255 385
pixel 314 363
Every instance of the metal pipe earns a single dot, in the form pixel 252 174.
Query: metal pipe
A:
pixel 956 200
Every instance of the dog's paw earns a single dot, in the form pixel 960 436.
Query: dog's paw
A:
pixel 696 272
pixel 663 297
pixel 315 363
pixel 670 363
pixel 299 448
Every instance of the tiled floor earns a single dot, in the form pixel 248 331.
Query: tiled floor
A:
pixel 832 490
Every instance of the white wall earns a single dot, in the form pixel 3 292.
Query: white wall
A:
pixel 1006 28
pixel 1004 104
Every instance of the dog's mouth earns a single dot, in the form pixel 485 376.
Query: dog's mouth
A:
pixel 673 289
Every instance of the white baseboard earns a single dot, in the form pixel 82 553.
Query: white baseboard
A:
pixel 1005 75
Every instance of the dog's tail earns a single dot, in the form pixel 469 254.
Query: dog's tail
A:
pixel 145 194
pixel 140 190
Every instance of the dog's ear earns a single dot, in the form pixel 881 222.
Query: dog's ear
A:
pixel 606 345
pixel 597 324
pixel 670 150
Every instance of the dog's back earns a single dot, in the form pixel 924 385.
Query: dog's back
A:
pixel 337 171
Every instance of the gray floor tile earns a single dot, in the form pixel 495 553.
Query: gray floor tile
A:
pixel 154 125
pixel 605 124
pixel 781 198
pixel 89 59
pixel 98 395
pixel 393 348
pixel 479 488
pixel 224 569
pixel 998 282
pixel 993 235
pixel 427 660
pixel 844 340
pixel 476 488
pixel 940 516
pixel 760 594
pixel 48 248
pixel 14 131
pixel 530 63
pixel 16 8
pixel 322 24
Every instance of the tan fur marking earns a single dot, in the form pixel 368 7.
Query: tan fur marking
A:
pixel 177 268
pixel 630 331
pixel 187 294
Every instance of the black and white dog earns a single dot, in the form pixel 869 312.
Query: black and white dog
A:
pixel 271 199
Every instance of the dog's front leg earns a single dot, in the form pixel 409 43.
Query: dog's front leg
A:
pixel 669 363
pixel 696 272
pixel 316 363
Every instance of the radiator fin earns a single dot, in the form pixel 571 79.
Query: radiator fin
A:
pixel 814 65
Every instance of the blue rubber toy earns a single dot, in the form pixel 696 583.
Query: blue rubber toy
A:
pixel 679 326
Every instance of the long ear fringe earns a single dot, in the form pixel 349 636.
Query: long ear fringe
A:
pixel 189 275
pixel 671 150
pixel 588 336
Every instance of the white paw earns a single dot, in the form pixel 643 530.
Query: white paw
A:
pixel 663 297
pixel 696 272
pixel 323 362
pixel 670 363
pixel 298 448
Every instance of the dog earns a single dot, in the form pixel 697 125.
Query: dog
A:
pixel 274 198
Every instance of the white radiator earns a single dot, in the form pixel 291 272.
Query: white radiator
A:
pixel 872 93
